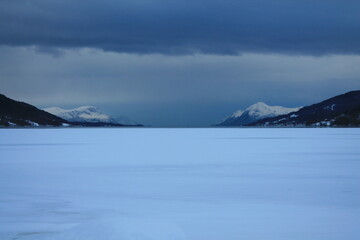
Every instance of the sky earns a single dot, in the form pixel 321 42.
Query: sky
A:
pixel 178 63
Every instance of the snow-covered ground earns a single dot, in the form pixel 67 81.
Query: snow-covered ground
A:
pixel 180 184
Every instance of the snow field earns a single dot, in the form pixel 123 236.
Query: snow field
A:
pixel 179 184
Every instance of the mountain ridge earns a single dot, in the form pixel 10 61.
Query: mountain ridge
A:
pixel 90 116
pixel 81 114
pixel 340 110
pixel 20 114
pixel 253 113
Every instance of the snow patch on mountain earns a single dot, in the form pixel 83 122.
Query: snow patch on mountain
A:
pixel 238 113
pixel 81 114
pixel 33 124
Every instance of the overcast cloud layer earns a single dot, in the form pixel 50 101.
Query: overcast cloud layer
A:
pixel 303 27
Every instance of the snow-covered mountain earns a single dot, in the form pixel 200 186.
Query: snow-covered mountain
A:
pixel 254 113
pixel 81 114
pixel 341 111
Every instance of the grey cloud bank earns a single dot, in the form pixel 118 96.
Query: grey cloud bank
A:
pixel 174 27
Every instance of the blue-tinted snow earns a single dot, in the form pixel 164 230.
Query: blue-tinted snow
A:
pixel 180 184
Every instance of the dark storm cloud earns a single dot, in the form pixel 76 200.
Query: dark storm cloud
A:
pixel 305 27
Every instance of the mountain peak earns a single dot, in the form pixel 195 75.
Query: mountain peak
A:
pixel 255 112
pixel 261 110
pixel 259 104
pixel 87 108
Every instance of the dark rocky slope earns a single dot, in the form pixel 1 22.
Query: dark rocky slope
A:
pixel 14 113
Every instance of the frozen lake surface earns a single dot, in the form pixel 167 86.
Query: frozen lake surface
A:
pixel 180 184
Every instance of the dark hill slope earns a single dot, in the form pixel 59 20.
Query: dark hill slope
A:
pixel 14 113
